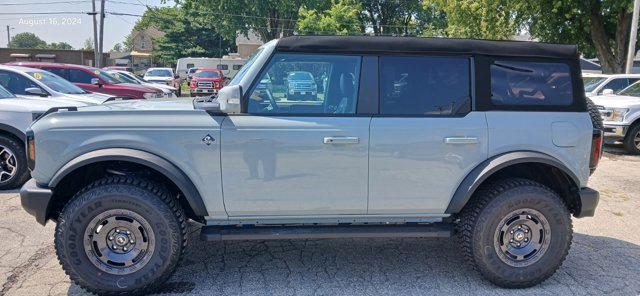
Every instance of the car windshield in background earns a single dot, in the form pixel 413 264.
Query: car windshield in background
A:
pixel 590 83
pixel 159 73
pixel 123 78
pixel 56 82
pixel 300 76
pixel 631 90
pixel 207 74
pixel 105 76
pixel 5 94
pixel 236 79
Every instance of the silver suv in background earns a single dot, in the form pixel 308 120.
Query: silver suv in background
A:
pixel 16 115
pixel 128 77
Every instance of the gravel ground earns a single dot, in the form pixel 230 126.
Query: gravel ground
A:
pixel 604 258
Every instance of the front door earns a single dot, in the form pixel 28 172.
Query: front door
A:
pixel 300 150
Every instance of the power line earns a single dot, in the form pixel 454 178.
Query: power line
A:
pixel 43 13
pixel 45 3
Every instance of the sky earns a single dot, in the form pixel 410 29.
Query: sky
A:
pixel 71 28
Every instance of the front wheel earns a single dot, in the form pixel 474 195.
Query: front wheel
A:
pixel 632 139
pixel 13 164
pixel 516 232
pixel 120 235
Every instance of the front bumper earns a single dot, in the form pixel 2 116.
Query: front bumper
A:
pixel 588 203
pixel 617 131
pixel 36 200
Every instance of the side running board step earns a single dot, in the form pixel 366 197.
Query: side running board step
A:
pixel 221 233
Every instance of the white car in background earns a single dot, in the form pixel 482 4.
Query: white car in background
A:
pixel 162 76
pixel 599 84
pixel 37 83
pixel 621 116
pixel 128 77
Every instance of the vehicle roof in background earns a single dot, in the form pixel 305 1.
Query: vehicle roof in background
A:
pixel 388 44
pixel 19 68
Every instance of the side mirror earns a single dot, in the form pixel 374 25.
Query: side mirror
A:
pixel 96 81
pixel 229 98
pixel 176 76
pixel 607 92
pixel 35 91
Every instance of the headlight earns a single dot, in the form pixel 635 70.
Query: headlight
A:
pixel 149 95
pixel 614 114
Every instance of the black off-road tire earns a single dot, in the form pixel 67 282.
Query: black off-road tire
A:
pixel 594 113
pixel 15 148
pixel 481 218
pixel 630 139
pixel 145 198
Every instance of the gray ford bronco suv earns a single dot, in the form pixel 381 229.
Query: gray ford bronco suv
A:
pixel 486 141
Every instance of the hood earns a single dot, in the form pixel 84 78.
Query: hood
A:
pixel 159 86
pixel 132 87
pixel 205 79
pixel 36 104
pixel 158 78
pixel 91 98
pixel 616 101
pixel 142 105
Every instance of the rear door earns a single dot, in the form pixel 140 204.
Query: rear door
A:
pixel 425 139
pixel 302 157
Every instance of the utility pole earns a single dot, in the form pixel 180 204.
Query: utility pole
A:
pixel 8 36
pixel 95 34
pixel 101 30
pixel 633 36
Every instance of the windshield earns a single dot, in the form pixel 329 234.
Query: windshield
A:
pixel 300 76
pixel 56 83
pixel 245 68
pixel 591 83
pixel 4 93
pixel 207 74
pixel 192 70
pixel 159 73
pixel 123 78
pixel 105 76
pixel 631 90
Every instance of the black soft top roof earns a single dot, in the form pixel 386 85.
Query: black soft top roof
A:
pixel 412 45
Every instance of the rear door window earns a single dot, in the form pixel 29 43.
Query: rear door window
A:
pixel 525 83
pixel 79 76
pixel 62 72
pixel 427 86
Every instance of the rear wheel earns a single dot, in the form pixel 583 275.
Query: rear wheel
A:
pixel 632 139
pixel 516 232
pixel 13 163
pixel 120 235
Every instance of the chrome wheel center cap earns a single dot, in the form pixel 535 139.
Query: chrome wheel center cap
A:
pixel 122 240
pixel 519 235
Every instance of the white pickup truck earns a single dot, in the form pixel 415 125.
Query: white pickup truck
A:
pixel 621 116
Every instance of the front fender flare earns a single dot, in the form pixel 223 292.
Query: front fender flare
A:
pixel 169 170
pixel 483 171
pixel 14 131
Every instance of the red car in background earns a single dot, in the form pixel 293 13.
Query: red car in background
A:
pixel 206 81
pixel 94 80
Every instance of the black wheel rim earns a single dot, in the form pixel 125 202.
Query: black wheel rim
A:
pixel 8 164
pixel 119 242
pixel 522 237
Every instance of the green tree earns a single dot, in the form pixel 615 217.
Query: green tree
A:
pixel 270 19
pixel 186 33
pixel 27 40
pixel 88 44
pixel 342 18
pixel 117 47
pixel 483 19
pixel 600 27
pixel 60 45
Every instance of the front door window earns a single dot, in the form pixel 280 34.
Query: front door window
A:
pixel 307 84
